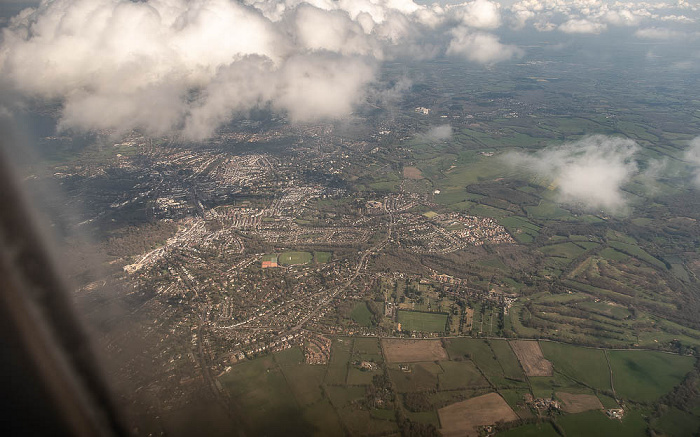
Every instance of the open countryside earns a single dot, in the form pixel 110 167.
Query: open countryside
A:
pixel 372 386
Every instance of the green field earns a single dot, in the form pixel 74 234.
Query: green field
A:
pixel 305 382
pixel 324 419
pixel 678 423
pixel 533 430
pixel 462 374
pixel 507 359
pixel 361 314
pixel 481 353
pixel 367 349
pixel 294 258
pixel 424 417
pixel 547 211
pixel 521 228
pixel 637 252
pixel 592 423
pixel 475 349
pixel 289 357
pixel 515 397
pixel 360 377
pixel 342 397
pixel 588 366
pixel 546 386
pixel 329 399
pixel 615 311
pixel 564 250
pixel 322 257
pixel 383 414
pixel 262 390
pixel 341 350
pixel 423 322
pixel 613 255
pixel 644 376
pixel 360 422
pixel 422 377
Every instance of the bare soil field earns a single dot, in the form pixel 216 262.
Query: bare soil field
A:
pixel 412 173
pixel 572 403
pixel 464 418
pixel 412 351
pixel 530 356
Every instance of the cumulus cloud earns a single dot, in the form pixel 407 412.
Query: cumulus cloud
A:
pixel 480 47
pixel 122 65
pixel 655 33
pixel 187 66
pixel 306 87
pixel 692 156
pixel 480 14
pixel 594 16
pixel 676 18
pixel 389 95
pixel 317 29
pixel 314 87
pixel 590 172
pixel 545 26
pixel 439 133
pixel 582 26
pixel 622 17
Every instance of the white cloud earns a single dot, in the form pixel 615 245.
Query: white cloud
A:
pixel 318 87
pixel 655 33
pixel 621 17
pixel 692 156
pixel 166 65
pixel 481 14
pixel 123 65
pixel 545 26
pixel 389 96
pixel 306 87
pixel 334 31
pixel 439 133
pixel 590 172
pixel 592 16
pixel 581 25
pixel 188 66
pixel 480 47
pixel 677 18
